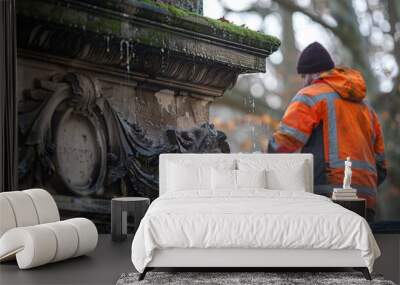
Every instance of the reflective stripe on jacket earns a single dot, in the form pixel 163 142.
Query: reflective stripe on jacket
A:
pixel 332 120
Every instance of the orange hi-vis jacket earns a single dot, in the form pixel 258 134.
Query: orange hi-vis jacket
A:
pixel 332 120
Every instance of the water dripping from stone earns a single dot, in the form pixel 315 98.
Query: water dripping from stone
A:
pixel 108 43
pixel 127 57
pixel 253 109
pixel 162 60
pixel 121 48
pixel 253 135
pixel 124 49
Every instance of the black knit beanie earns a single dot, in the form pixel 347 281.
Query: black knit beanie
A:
pixel 313 59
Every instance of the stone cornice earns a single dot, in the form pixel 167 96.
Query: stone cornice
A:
pixel 140 36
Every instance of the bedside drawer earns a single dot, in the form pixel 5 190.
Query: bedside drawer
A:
pixel 357 206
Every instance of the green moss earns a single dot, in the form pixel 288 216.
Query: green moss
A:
pixel 173 10
pixel 166 13
pixel 217 24
pixel 244 32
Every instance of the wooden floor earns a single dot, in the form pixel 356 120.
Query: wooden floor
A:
pixel 103 266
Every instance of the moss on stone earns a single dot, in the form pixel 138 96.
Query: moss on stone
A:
pixel 217 24
pixel 171 18
pixel 166 28
pixel 167 13
pixel 173 10
pixel 244 32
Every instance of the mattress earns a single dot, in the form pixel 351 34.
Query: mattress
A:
pixel 251 219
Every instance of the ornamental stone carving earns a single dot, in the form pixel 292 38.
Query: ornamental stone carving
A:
pixel 72 138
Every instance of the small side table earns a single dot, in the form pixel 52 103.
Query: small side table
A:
pixel 357 205
pixel 121 207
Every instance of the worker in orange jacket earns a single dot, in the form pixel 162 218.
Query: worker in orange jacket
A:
pixel 331 118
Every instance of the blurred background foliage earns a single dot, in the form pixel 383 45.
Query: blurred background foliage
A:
pixel 363 34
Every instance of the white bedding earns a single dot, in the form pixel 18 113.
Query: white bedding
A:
pixel 251 218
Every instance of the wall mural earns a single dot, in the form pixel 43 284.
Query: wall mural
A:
pixel 161 67
pixel 72 139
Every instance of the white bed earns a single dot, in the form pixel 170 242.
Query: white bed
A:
pixel 248 227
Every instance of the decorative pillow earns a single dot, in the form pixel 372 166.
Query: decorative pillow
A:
pixel 286 174
pixel 278 180
pixel 223 179
pixel 181 177
pixel 251 178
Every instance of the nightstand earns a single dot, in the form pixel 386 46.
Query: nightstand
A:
pixel 357 205
pixel 121 207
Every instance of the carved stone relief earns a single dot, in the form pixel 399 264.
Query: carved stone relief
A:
pixel 73 139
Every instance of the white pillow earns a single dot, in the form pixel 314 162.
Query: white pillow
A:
pixel 182 177
pixel 251 178
pixel 228 179
pixel 223 179
pixel 279 180
pixel 285 174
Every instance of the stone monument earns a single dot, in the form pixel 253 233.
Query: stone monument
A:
pixel 106 86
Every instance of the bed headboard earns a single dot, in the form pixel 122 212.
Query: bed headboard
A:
pixel 211 158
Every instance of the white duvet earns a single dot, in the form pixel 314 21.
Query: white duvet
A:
pixel 253 218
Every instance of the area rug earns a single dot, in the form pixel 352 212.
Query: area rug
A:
pixel 243 278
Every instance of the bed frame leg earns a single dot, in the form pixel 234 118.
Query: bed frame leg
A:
pixel 143 274
pixel 364 271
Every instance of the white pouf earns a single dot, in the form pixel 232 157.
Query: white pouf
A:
pixel 31 230
pixel 23 209
pixel 37 245
pixel 66 237
pixel 87 233
pixel 7 220
pixel 46 207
